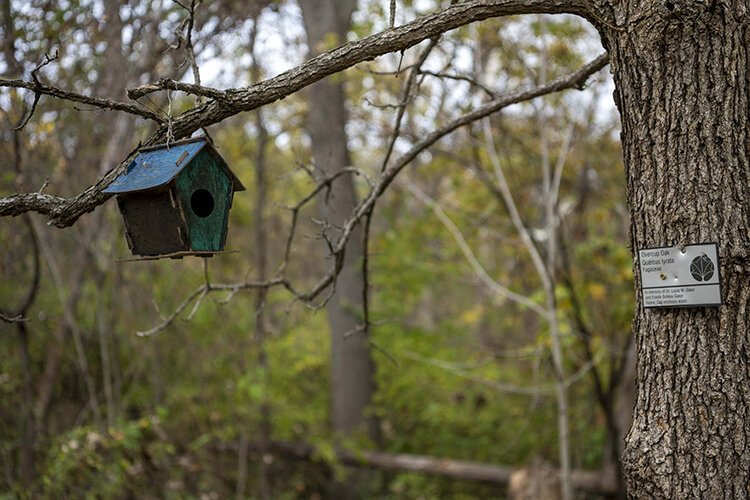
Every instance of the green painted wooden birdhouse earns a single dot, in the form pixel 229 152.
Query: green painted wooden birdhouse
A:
pixel 175 199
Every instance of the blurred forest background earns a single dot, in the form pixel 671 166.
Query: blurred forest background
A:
pixel 126 380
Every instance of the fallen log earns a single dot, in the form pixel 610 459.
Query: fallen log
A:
pixel 599 482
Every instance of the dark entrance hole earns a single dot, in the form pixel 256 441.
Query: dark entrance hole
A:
pixel 202 203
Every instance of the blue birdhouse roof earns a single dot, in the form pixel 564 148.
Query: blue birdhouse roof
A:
pixel 156 166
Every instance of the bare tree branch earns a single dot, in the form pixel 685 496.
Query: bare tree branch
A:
pixel 12 319
pixel 406 98
pixel 391 40
pixel 169 84
pixel 189 42
pixel 501 386
pixel 37 96
pixel 476 266
pixel 41 89
pixel 63 213
pixel 461 78
pixel 18 204
pixel 203 290
pixel 573 80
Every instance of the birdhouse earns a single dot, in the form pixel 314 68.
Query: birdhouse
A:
pixel 175 200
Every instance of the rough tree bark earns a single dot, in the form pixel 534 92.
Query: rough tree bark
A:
pixel 681 71
pixel 352 372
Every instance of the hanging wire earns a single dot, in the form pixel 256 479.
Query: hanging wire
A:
pixel 170 136
pixel 157 108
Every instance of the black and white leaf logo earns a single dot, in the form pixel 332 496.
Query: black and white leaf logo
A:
pixel 702 268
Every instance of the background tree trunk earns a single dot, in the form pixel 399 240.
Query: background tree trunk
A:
pixel 681 72
pixel 351 365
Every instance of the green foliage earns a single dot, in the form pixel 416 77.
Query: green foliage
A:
pixel 461 372
pixel 127 459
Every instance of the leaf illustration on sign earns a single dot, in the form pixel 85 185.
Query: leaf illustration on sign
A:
pixel 702 268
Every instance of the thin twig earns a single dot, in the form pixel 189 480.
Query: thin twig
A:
pixel 170 319
pixel 365 328
pixel 406 98
pixel 499 386
pixel 40 89
pixel 463 78
pixel 476 266
pixel 13 319
pixel 205 289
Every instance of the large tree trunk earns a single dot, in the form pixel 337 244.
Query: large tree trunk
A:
pixel 351 365
pixel 682 77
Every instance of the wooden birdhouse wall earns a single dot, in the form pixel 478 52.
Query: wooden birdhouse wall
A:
pixel 153 225
pixel 205 193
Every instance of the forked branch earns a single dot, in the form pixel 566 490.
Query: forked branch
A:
pixel 338 247
pixel 40 89
pixel 65 212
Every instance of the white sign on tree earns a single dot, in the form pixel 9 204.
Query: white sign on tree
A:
pixel 680 276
